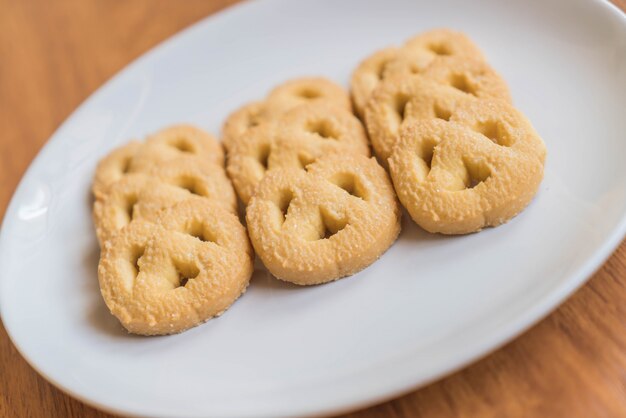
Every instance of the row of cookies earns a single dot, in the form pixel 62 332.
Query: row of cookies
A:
pixel 317 207
pixel 173 251
pixel 461 157
pixel 299 161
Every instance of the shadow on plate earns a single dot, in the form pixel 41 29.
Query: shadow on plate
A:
pixel 101 319
pixel 411 232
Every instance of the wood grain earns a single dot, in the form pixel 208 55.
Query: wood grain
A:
pixel 53 54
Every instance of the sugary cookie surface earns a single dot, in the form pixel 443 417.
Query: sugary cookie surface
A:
pixel 166 276
pixel 318 208
pixel 315 226
pixel 299 137
pixel 138 180
pixel 478 167
pixel 416 55
pixel 454 79
pixel 173 252
pixel 292 93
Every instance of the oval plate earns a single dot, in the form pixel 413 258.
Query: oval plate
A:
pixel 430 305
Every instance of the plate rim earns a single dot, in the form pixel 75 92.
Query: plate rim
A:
pixel 507 332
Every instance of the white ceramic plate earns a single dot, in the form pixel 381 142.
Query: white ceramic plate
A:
pixel 429 306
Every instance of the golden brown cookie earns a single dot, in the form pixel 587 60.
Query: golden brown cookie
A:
pixel 478 167
pixel 307 90
pixel 177 143
pixel 297 139
pixel 375 69
pixel 395 100
pixel 165 277
pixel 135 196
pixel 330 222
pixel 144 195
pixel 415 56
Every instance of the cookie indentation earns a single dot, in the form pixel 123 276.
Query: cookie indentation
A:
pixel 399 106
pixel 305 160
pixel 440 49
pixel 264 155
pixel 182 145
pixel 191 184
pixel 331 225
pixel 442 113
pixel 125 167
pixel 323 128
pixel 136 254
pixel 477 172
pixel 462 83
pixel 309 93
pixel 198 230
pixel 350 184
pixel 495 132
pixel 283 202
pixel 131 201
pixel 380 71
pixel 186 271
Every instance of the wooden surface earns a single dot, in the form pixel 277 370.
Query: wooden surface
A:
pixel 53 54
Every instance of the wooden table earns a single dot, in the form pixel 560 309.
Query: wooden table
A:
pixel 53 54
